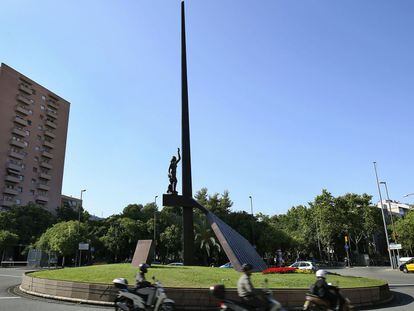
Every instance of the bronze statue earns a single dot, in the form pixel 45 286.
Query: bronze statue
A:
pixel 172 174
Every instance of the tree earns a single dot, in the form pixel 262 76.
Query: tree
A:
pixel 405 229
pixel 63 238
pixel 171 241
pixel 7 239
pixel 206 241
pixel 122 236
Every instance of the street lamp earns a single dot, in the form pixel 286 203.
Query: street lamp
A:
pixel 407 195
pixel 251 209
pixel 392 219
pixel 80 207
pixel 79 220
pixel 155 220
pixel 383 216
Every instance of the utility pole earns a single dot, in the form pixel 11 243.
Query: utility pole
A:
pixel 155 228
pixel 251 209
pixel 383 216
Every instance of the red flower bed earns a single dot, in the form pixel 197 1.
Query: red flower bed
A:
pixel 279 270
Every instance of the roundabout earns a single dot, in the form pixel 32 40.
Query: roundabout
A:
pixel 189 286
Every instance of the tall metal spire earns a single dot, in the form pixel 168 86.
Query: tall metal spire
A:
pixel 188 226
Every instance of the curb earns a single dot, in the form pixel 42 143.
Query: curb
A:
pixel 85 301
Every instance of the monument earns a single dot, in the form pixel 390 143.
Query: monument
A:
pixel 236 247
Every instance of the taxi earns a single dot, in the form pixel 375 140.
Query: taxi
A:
pixel 407 266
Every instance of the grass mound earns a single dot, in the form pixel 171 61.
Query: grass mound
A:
pixel 195 277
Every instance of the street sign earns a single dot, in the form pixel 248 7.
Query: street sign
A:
pixel 395 246
pixel 83 246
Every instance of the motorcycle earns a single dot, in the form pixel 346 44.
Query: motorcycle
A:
pixel 315 303
pixel 149 298
pixel 219 292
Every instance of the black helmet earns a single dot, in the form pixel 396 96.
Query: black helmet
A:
pixel 143 267
pixel 247 267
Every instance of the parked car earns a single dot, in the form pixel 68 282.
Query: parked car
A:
pixel 227 265
pixel 407 266
pixel 304 265
pixel 175 264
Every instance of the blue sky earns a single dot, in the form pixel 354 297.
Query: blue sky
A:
pixel 286 97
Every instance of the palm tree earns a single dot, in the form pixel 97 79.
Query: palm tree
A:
pixel 206 240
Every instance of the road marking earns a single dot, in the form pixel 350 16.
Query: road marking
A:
pixel 10 297
pixel 12 276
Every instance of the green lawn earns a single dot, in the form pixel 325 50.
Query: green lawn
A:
pixel 195 277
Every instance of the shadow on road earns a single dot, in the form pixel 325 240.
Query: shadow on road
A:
pixel 400 299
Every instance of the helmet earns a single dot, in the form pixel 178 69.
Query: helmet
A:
pixel 247 267
pixel 321 274
pixel 120 283
pixel 143 267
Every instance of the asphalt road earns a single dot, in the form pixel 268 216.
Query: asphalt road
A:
pixel 401 284
pixel 10 277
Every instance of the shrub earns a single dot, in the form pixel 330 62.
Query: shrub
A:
pixel 279 270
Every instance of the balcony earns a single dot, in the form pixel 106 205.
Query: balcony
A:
pixel 52 104
pixel 20 121
pixel 24 99
pixel 12 179
pixel 10 191
pixel 16 155
pixel 48 144
pixel 45 176
pixel 43 187
pixel 51 124
pixel 51 114
pixel 18 131
pixel 46 165
pixel 25 88
pixel 42 198
pixel 17 143
pixel 7 203
pixel 47 154
pixel 22 110
pixel 14 167
pixel 50 134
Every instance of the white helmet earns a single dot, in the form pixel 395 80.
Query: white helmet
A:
pixel 321 274
pixel 120 283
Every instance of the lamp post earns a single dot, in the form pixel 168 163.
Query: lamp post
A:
pixel 392 218
pixel 383 216
pixel 79 220
pixel 251 209
pixel 155 220
pixel 408 194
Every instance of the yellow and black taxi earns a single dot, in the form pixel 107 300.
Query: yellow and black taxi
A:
pixel 407 266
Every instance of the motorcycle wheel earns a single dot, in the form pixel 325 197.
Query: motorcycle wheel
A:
pixel 167 307
pixel 122 301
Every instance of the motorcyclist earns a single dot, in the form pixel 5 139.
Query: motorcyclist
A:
pixel 142 285
pixel 326 292
pixel 248 294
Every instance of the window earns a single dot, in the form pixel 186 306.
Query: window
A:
pixel 33 181
pixel 36 159
pixel 40 127
pixel 29 122
pixel 43 97
pixel 20 189
pixel 30 111
pixel 27 132
pixel 42 107
pixel 37 148
pixel 18 201
pixel 34 169
pixel 32 192
pixel 39 138
pixel 21 177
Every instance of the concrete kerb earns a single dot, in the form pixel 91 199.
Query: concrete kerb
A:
pixel 186 298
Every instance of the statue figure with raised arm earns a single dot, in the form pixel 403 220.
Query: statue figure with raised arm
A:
pixel 172 174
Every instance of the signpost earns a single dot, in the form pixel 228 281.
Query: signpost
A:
pixel 82 247
pixel 395 246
